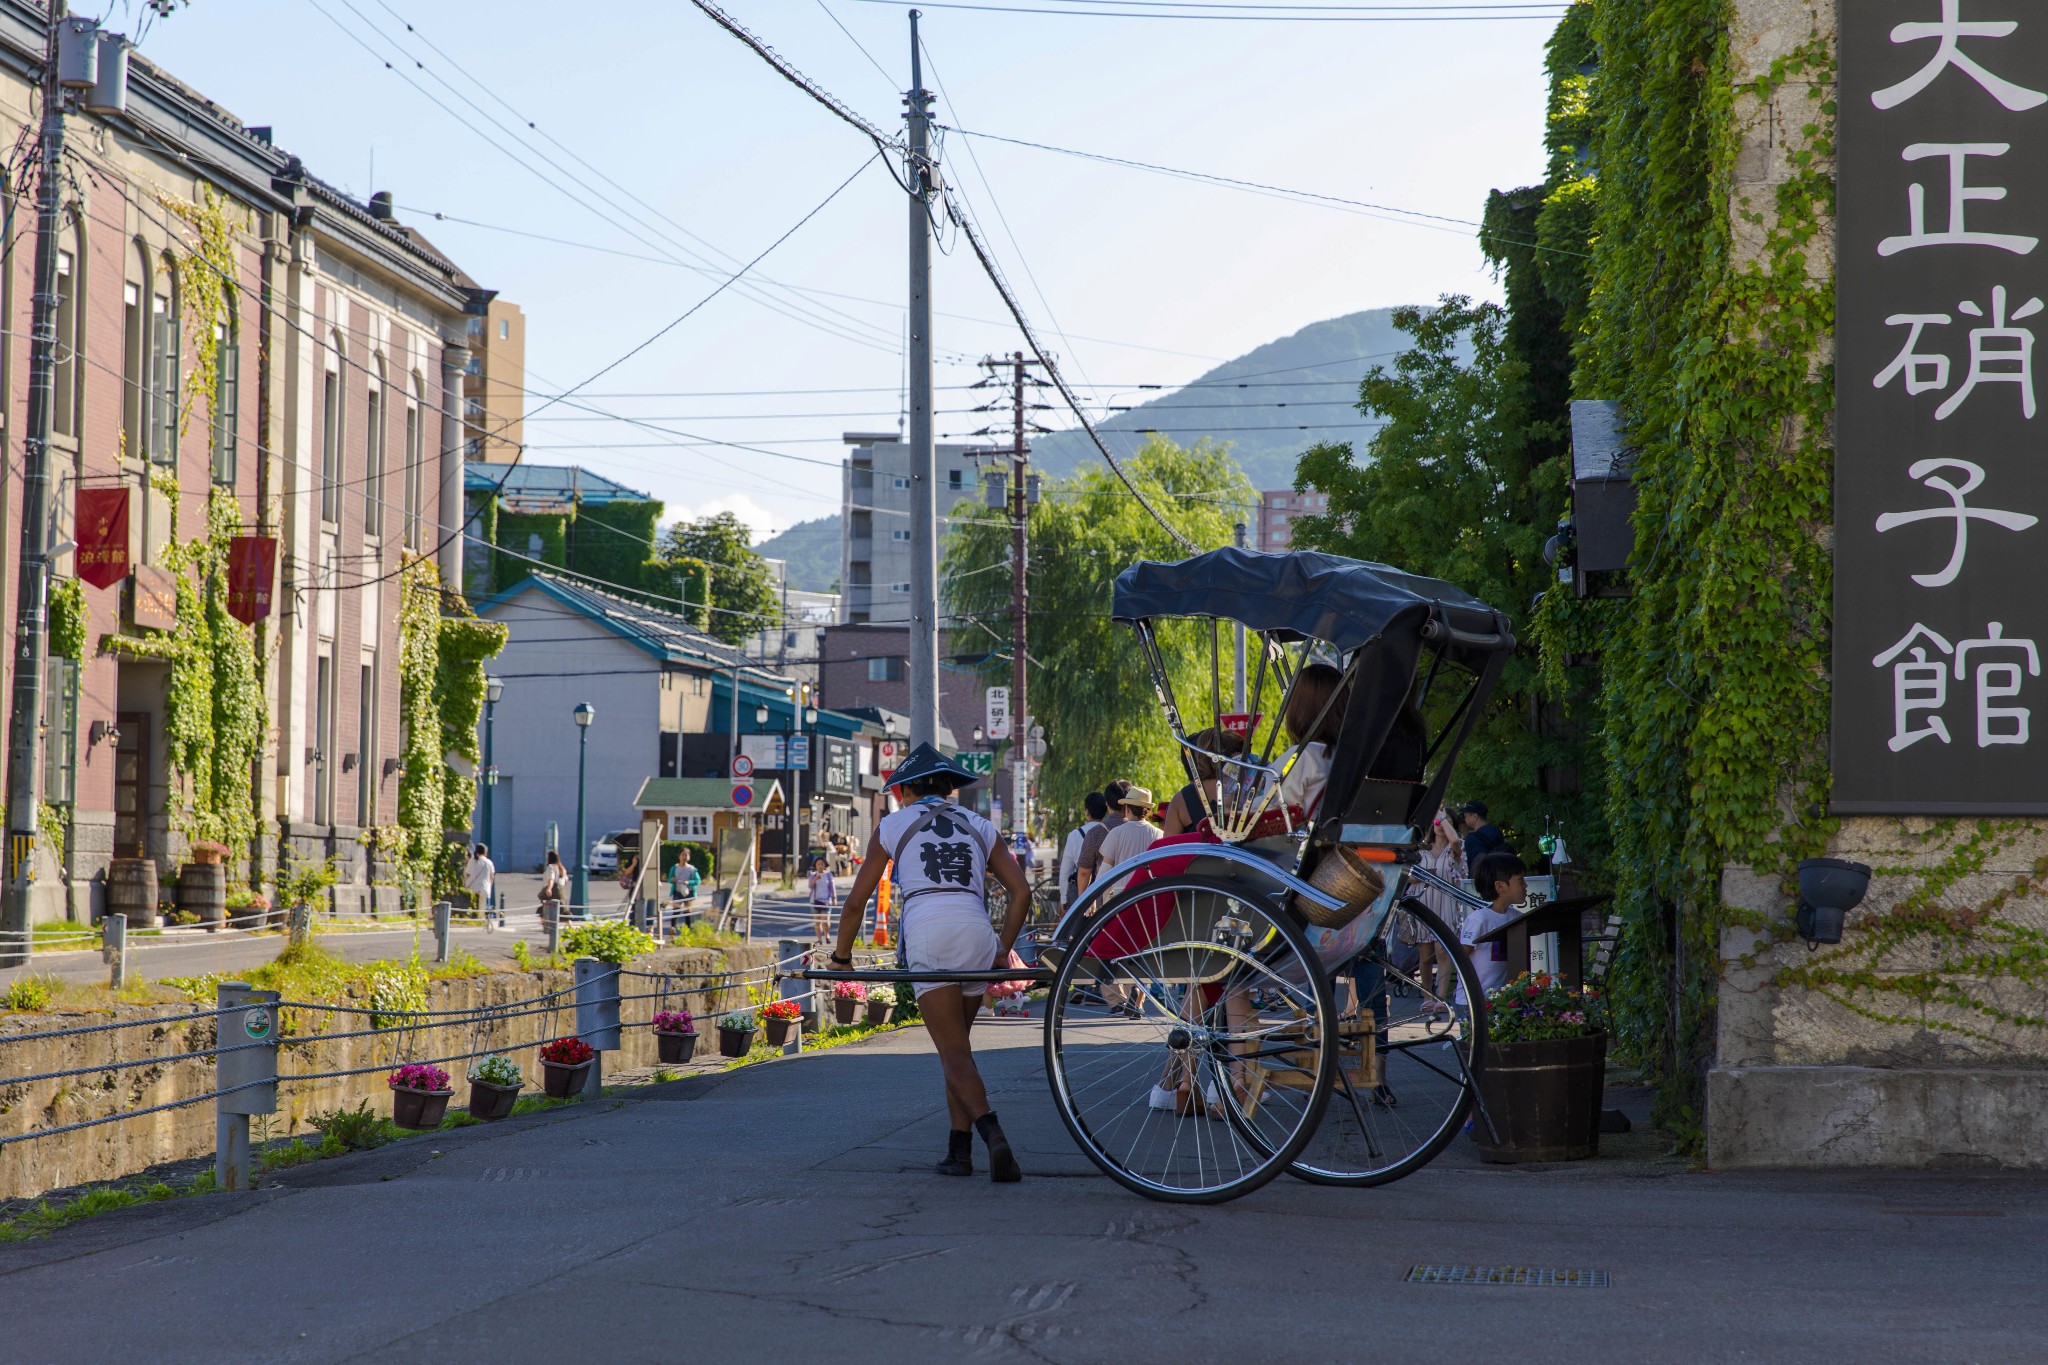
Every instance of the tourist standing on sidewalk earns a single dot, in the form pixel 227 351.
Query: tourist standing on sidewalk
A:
pixel 1089 864
pixel 683 881
pixel 1502 878
pixel 1444 856
pixel 554 888
pixel 944 855
pixel 1097 807
pixel 1481 838
pixel 480 877
pixel 824 896
pixel 1133 834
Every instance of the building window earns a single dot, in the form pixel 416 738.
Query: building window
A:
pixel 330 448
pixel 899 483
pixel 373 472
pixel 956 479
pixel 133 387
pixel 413 472
pixel 900 589
pixel 504 329
pixel 164 367
pixel 366 747
pixel 227 388
pixel 886 670
pixel 689 826
pixel 323 737
pixel 899 536
pixel 65 399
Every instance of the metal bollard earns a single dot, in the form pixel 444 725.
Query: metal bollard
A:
pixel 597 1016
pixel 554 925
pixel 443 916
pixel 301 921
pixel 247 1075
pixel 114 948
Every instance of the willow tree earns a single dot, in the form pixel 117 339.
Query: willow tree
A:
pixel 1088 685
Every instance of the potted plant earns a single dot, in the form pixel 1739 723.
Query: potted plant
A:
pixel 675 1035
pixel 419 1095
pixel 880 1005
pixel 494 1086
pixel 248 909
pixel 777 1016
pixel 207 851
pixel 1546 1067
pixel 564 1063
pixel 846 1000
pixel 736 1033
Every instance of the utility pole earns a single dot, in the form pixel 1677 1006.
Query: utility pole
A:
pixel 1020 602
pixel 31 647
pixel 920 172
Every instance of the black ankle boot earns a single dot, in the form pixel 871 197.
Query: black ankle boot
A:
pixel 959 1155
pixel 1002 1162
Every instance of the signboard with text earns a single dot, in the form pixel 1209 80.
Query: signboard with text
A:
pixel 1940 481
pixel 997 717
pixel 840 773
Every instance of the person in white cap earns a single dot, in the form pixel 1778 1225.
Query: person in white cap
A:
pixel 944 855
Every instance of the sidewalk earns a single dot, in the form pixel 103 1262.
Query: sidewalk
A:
pixel 789 1209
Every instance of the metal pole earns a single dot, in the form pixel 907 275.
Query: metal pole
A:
pixel 920 173
pixel 579 885
pixel 444 916
pixel 31 648
pixel 1020 603
pixel 490 775
pixel 1239 536
pixel 735 712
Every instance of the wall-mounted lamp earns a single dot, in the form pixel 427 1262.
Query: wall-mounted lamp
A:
pixel 102 731
pixel 393 768
pixel 1828 889
pixel 315 757
pixel 348 763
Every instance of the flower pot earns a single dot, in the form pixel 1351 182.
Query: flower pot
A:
pixel 844 1007
pixel 734 1042
pixel 676 1047
pixel 1544 1099
pixel 880 1010
pixel 492 1102
pixel 559 1081
pixel 778 1031
pixel 419 1108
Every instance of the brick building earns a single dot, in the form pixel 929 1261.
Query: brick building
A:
pixel 329 417
pixel 1277 510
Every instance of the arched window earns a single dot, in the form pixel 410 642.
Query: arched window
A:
pixel 331 432
pixel 227 388
pixel 135 407
pixel 164 372
pixel 414 499
pixel 373 472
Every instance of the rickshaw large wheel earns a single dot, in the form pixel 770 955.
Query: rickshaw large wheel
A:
pixel 1392 1115
pixel 1216 1074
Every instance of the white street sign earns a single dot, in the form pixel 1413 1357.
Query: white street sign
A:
pixel 997 722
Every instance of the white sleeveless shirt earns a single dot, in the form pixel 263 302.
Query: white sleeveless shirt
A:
pixel 946 862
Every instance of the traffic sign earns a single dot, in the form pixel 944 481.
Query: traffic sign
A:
pixel 975 761
pixel 742 795
pixel 742 767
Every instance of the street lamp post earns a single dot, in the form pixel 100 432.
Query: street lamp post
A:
pixel 494 688
pixel 802 713
pixel 579 886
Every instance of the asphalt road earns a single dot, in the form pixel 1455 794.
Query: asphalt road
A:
pixel 788 1211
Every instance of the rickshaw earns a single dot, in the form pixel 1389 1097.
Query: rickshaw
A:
pixel 1231 1006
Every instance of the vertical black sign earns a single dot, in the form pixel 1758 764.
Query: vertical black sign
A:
pixel 1941 472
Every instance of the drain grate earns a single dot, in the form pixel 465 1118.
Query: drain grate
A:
pixel 1531 1276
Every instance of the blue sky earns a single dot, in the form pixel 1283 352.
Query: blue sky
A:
pixel 1132 277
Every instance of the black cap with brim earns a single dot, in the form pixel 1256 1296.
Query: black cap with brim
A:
pixel 926 762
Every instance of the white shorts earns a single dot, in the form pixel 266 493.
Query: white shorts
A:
pixel 948 938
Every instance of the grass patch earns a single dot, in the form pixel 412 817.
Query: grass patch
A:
pixel 838 1035
pixel 43 1218
pixel 355 1130
pixel 30 993
pixel 535 1104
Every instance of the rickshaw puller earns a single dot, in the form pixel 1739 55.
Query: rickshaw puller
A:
pixel 943 855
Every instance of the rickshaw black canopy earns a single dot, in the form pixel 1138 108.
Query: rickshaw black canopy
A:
pixel 1347 603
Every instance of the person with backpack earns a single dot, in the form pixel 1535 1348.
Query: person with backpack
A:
pixel 1097 806
pixel 944 856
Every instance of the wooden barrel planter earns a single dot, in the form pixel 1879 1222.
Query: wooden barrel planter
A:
pixel 131 891
pixel 1544 1099
pixel 203 890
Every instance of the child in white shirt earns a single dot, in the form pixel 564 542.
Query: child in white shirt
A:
pixel 1502 878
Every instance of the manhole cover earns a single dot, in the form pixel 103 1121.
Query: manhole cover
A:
pixel 1532 1276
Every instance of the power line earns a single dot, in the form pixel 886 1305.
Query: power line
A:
pixel 1552 13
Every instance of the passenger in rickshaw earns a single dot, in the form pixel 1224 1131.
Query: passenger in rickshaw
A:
pixel 1191 805
pixel 944 855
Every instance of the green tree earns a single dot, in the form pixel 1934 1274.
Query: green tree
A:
pixel 1464 483
pixel 1088 685
pixel 742 590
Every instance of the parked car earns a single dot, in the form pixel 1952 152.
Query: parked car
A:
pixel 610 848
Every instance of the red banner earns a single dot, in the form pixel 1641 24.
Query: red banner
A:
pixel 252 573
pixel 102 554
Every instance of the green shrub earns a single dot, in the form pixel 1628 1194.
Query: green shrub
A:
pixel 355 1130
pixel 613 941
pixel 31 993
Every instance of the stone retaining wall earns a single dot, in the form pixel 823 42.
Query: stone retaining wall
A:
pixel 130 1145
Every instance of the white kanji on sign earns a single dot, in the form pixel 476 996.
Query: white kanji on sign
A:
pixel 1998 680
pixel 1999 354
pixel 1919 685
pixel 1960 194
pixel 1923 371
pixel 1929 473
pixel 1950 30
